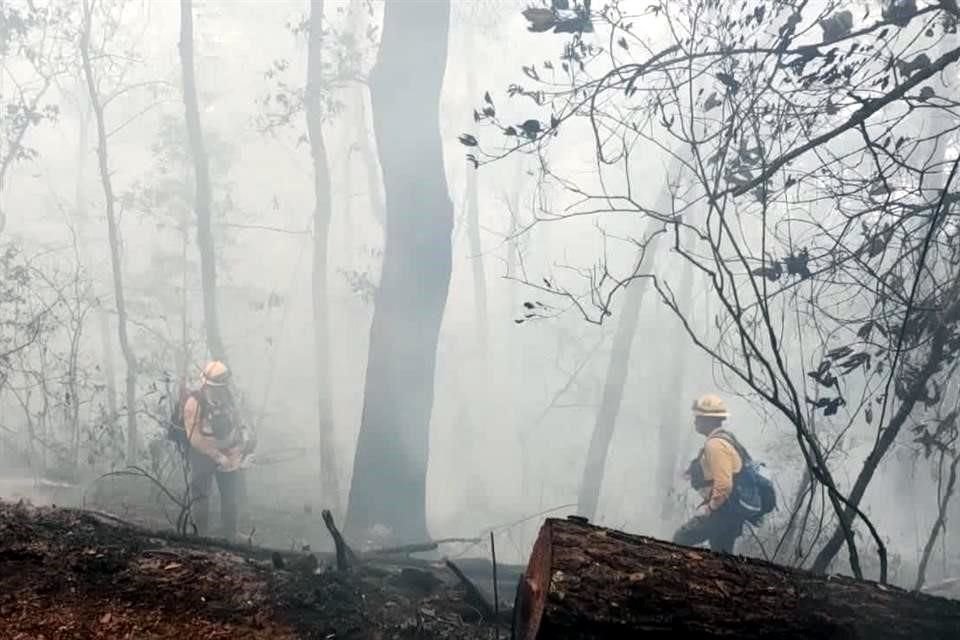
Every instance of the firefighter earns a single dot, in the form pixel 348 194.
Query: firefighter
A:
pixel 218 442
pixel 712 473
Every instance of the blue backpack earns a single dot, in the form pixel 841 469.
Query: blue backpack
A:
pixel 754 494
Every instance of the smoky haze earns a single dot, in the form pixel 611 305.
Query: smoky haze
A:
pixel 501 407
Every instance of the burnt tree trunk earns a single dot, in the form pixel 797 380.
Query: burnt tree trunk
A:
pixel 390 465
pixel 329 485
pixel 586 582
pixel 113 234
pixel 201 164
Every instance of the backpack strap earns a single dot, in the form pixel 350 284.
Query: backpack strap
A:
pixel 729 438
pixel 202 409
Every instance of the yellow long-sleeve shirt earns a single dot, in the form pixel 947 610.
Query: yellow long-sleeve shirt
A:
pixel 203 442
pixel 720 462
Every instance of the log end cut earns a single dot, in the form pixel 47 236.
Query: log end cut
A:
pixel 589 583
pixel 532 591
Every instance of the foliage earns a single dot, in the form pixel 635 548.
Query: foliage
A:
pixel 816 197
pixel 34 52
pixel 344 53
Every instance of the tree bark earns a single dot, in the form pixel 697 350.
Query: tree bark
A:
pixel 390 465
pixel 329 483
pixel 114 238
pixel 585 582
pixel 201 163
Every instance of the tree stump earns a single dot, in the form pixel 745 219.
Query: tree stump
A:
pixel 586 582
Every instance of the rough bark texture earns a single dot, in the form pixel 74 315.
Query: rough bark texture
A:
pixel 586 582
pixel 329 484
pixel 201 164
pixel 114 237
pixel 390 466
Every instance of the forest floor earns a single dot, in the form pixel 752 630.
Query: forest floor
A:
pixel 72 574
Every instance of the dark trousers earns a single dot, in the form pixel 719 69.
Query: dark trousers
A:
pixel 203 470
pixel 721 529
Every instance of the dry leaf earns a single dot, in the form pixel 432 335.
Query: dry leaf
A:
pixel 105 619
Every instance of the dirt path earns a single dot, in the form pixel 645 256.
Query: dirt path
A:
pixel 66 574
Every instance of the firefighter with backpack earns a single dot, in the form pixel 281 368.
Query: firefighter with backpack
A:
pixel 733 488
pixel 215 442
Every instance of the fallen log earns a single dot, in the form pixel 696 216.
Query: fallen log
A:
pixel 587 582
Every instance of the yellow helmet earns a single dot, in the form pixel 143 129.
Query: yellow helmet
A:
pixel 711 406
pixel 215 374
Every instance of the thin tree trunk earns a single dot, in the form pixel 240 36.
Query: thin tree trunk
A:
pixel 109 366
pixel 103 320
pixel 365 144
pixel 390 466
pixel 939 525
pixel 888 434
pixel 201 163
pixel 673 409
pixel 367 153
pixel 329 484
pixel 616 378
pixel 606 421
pixel 114 238
pixel 184 368
pixel 795 523
pixel 914 394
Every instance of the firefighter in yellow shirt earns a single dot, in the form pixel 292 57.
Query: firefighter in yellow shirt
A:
pixel 218 442
pixel 712 473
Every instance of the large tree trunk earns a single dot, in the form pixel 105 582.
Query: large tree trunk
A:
pixel 201 163
pixel 390 466
pixel 329 484
pixel 114 238
pixel 585 582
